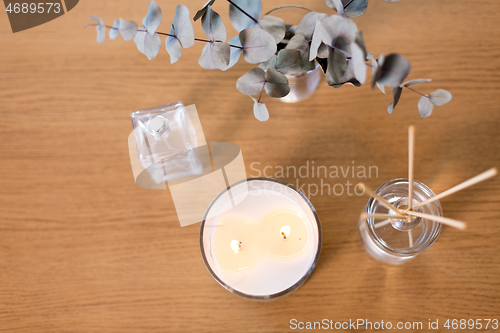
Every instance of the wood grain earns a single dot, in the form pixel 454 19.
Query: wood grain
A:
pixel 83 249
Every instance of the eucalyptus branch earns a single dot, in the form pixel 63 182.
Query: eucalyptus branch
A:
pixel 277 65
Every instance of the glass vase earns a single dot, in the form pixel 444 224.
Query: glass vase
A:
pixel 302 85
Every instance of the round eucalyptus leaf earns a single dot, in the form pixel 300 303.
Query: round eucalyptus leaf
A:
pixel 275 26
pixel 424 107
pixel 260 110
pixel 241 21
pixel 337 65
pixel 338 32
pixel 258 45
pixel 358 62
pixel 276 83
pixel 203 10
pixel 336 5
pixel 252 82
pixel 128 29
pixel 351 8
pixel 148 44
pixel 440 97
pixel 213 26
pixel 235 52
pixel 182 28
pixel 113 32
pixel 308 24
pixel 174 49
pixel 375 65
pixel 394 69
pixel 100 28
pixel 153 18
pixel 396 93
pixel 215 55
pixel 289 62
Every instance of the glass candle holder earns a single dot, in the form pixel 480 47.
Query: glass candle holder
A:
pixel 260 238
pixel 302 85
pixel 396 241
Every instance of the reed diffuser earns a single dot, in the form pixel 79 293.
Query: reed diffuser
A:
pixel 403 217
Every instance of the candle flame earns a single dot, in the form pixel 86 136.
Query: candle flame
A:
pixel 285 231
pixel 235 245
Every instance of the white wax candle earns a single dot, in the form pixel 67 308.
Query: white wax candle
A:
pixel 261 238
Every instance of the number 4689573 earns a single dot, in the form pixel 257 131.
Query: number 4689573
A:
pixel 33 8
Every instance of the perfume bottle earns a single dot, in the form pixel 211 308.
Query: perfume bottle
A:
pixel 166 140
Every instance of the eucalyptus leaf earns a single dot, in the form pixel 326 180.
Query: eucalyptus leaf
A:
pixel 396 93
pixel 348 77
pixel 100 28
pixel 289 62
pixel 358 63
pixel 153 18
pixel 213 26
pixel 113 32
pixel 275 26
pixel 260 110
pixel 352 8
pixel 252 82
pixel 203 10
pixel 307 25
pixel 394 69
pixel 181 34
pixel 290 31
pixel 374 73
pixel 440 97
pixel 361 43
pixel 337 65
pixel 128 29
pixel 336 5
pixel 235 52
pixel 298 42
pixel 424 107
pixel 338 32
pixel 258 45
pixel 276 83
pixel 269 63
pixel 215 56
pixel 323 51
pixel 412 82
pixel 148 44
pixel 241 21
pixel 174 49
pixel 369 55
pixel 317 40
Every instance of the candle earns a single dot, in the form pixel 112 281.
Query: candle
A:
pixel 261 238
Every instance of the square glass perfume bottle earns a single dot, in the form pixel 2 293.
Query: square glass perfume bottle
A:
pixel 166 140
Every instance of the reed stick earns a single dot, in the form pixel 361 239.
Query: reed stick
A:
pixel 410 238
pixel 384 202
pixel 411 148
pixel 383 216
pixel 443 220
pixel 474 180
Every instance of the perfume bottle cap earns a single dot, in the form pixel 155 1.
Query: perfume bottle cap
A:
pixel 157 126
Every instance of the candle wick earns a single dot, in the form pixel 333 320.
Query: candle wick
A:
pixel 283 234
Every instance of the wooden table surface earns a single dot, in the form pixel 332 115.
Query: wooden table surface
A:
pixel 83 249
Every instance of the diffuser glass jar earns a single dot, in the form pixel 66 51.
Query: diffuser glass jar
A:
pixel 393 240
